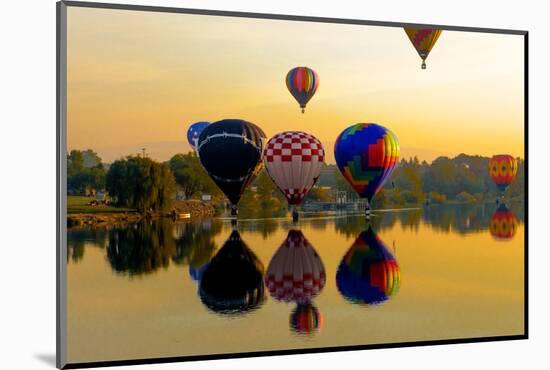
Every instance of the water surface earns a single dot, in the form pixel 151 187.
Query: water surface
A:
pixel 160 289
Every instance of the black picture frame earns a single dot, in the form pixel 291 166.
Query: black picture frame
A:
pixel 61 175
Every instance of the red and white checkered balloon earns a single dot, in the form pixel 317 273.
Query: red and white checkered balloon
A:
pixel 294 160
pixel 295 272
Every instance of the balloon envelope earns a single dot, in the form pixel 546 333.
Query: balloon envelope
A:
pixel 302 82
pixel 233 280
pixel 368 273
pixel 295 272
pixel 503 224
pixel 194 132
pixel 423 40
pixel 366 154
pixel 293 160
pixel 503 169
pixel 231 152
pixel 306 319
pixel 196 272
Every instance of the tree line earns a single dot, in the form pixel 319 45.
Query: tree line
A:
pixel 463 179
pixel 144 184
pixel 138 182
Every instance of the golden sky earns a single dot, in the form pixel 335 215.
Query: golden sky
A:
pixel 138 79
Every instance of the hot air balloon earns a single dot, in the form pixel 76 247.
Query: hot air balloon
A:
pixel 293 160
pixel 503 169
pixel 368 273
pixel 194 132
pixel 423 40
pixel 233 281
pixel 306 319
pixel 196 272
pixel 296 272
pixel 231 152
pixel 366 154
pixel 302 82
pixel 503 224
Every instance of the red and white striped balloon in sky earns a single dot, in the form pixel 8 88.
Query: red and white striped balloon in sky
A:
pixel 294 159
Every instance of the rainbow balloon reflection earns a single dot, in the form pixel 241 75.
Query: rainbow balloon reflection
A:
pixel 368 273
pixel 306 319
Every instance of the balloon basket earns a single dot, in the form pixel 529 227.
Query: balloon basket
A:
pixel 367 211
pixel 295 216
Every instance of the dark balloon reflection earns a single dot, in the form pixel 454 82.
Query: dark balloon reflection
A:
pixel 232 282
pixel 296 274
pixel 196 272
pixel 368 273
pixel 503 225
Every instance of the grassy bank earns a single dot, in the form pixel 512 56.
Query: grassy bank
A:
pixel 81 204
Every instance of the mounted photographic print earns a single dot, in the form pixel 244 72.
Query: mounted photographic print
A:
pixel 238 184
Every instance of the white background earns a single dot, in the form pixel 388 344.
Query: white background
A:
pixel 27 182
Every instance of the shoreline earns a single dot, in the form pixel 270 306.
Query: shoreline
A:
pixel 192 208
pixel 197 209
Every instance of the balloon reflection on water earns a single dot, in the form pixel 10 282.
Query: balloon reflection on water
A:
pixel 503 225
pixel 368 273
pixel 296 274
pixel 196 273
pixel 306 319
pixel 232 283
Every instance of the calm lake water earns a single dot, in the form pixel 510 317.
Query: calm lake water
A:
pixel 159 289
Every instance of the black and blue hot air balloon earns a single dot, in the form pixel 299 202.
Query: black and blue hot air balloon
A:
pixel 231 151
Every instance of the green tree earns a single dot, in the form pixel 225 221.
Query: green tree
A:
pixel 319 194
pixel 262 198
pixel 517 188
pixel 84 171
pixel 141 183
pixel 191 176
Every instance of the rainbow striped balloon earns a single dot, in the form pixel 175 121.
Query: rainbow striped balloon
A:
pixel 302 82
pixel 366 154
